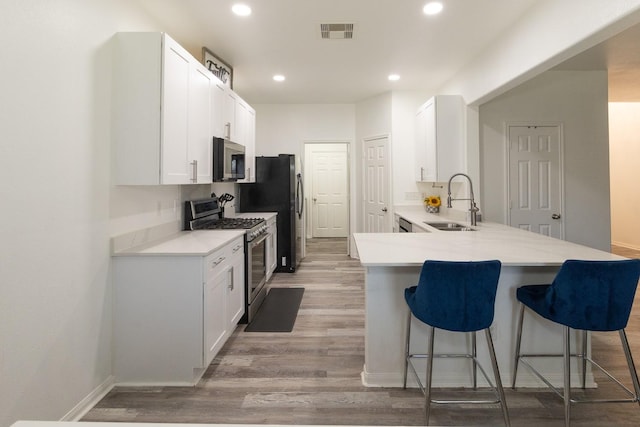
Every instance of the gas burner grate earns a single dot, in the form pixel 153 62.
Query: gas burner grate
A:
pixel 230 223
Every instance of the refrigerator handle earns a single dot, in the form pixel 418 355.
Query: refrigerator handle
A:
pixel 299 196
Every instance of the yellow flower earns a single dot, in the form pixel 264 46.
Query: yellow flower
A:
pixel 432 201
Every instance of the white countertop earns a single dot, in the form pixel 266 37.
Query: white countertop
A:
pixel 185 243
pixel 510 245
pixel 188 243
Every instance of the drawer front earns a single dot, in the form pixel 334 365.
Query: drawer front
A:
pixel 236 247
pixel 215 262
pixel 218 260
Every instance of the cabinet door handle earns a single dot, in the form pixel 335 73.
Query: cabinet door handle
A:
pixel 227 130
pixel 237 248
pixel 218 261
pixel 421 174
pixel 194 165
pixel 231 285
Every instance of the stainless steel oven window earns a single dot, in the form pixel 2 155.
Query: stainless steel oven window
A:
pixel 257 264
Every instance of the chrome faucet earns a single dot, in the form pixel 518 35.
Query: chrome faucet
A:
pixel 473 209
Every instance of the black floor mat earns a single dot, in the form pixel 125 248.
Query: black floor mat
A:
pixel 278 311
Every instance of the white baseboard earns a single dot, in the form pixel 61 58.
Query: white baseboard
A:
pixel 89 401
pixel 626 245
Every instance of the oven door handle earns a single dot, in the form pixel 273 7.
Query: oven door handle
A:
pixel 256 242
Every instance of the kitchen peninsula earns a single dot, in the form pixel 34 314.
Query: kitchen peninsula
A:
pixel 393 262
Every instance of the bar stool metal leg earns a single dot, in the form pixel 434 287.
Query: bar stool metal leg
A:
pixel 406 349
pixel 567 376
pixel 584 359
pixel 496 373
pixel 474 353
pixel 427 383
pixel 517 351
pixel 630 364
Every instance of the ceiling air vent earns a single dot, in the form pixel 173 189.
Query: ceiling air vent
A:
pixel 336 31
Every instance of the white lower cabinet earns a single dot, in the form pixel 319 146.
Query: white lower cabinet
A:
pixel 235 288
pixel 272 246
pixel 215 323
pixel 172 314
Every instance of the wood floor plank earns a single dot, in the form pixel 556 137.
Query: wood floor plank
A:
pixel 312 375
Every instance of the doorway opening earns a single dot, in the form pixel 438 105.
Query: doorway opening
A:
pixel 327 172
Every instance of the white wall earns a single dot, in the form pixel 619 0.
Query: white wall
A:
pixel 578 100
pixel 404 106
pixel 59 210
pixel 283 128
pixel 624 151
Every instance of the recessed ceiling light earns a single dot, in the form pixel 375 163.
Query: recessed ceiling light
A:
pixel 432 8
pixel 241 9
pixel 394 77
pixel 278 78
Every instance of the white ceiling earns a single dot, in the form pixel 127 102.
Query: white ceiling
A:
pixel 390 36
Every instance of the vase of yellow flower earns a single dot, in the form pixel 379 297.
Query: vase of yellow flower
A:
pixel 432 204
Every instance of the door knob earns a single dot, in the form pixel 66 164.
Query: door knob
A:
pixel 384 209
pixel 555 216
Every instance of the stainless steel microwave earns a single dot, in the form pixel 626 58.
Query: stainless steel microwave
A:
pixel 228 160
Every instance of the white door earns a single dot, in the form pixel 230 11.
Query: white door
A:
pixel 377 182
pixel 535 179
pixel 329 190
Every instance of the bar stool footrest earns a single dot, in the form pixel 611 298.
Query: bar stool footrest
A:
pixel 632 396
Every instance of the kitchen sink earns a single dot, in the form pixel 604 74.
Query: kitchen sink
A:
pixel 449 226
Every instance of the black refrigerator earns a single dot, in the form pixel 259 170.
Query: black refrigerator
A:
pixel 279 188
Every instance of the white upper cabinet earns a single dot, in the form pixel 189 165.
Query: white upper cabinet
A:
pixel 250 143
pixel 439 138
pixel 162 112
pixel 199 135
pixel 230 116
pixel 245 134
pixel 218 114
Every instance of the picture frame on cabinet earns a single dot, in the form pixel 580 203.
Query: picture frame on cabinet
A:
pixel 218 67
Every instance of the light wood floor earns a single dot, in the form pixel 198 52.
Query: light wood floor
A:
pixel 312 375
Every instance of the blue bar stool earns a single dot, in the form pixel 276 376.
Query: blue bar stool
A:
pixel 586 296
pixel 458 297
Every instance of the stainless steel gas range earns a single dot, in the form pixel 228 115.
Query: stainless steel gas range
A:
pixel 205 214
